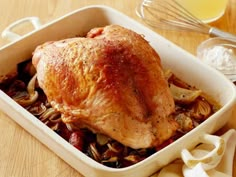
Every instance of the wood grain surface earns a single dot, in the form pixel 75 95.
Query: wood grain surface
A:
pixel 21 155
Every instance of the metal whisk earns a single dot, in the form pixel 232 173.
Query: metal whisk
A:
pixel 169 14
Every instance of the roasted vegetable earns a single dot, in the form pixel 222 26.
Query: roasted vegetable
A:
pixel 191 108
pixel 184 96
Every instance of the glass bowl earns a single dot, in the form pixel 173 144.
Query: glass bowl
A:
pixel 219 53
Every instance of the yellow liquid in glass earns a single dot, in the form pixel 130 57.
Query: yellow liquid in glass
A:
pixel 205 10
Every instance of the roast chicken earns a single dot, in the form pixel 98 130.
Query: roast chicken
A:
pixel 111 82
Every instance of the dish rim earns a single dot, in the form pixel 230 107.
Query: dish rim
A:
pixel 70 148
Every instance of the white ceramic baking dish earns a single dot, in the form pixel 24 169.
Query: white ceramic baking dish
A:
pixel 183 64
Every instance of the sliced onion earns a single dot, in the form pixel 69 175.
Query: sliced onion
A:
pixel 102 139
pixel 184 96
pixel 33 95
pixel 133 158
pixel 94 152
pixel 201 110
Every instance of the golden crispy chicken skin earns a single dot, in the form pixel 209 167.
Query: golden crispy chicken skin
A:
pixel 110 81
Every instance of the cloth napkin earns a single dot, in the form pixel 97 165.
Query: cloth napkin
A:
pixel 223 166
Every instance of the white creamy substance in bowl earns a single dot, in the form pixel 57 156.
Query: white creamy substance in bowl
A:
pixel 219 54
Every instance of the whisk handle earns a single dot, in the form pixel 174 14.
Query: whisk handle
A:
pixel 219 33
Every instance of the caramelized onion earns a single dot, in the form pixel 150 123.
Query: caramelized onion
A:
pixel 133 158
pixel 102 139
pixel 37 109
pixel 201 110
pixel 51 118
pixel 94 152
pixel 112 159
pixel 51 115
pixel 191 108
pixel 33 95
pixel 184 96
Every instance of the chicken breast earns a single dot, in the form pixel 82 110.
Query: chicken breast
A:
pixel 111 82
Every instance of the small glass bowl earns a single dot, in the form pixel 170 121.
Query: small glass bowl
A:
pixel 219 53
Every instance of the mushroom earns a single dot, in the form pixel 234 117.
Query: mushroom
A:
pixel 185 122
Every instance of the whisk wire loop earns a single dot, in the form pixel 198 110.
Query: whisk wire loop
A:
pixel 166 13
pixel 169 14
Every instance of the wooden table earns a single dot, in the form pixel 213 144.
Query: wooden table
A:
pixel 21 155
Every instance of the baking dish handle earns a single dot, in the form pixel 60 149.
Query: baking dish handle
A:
pixel 211 159
pixel 12 36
